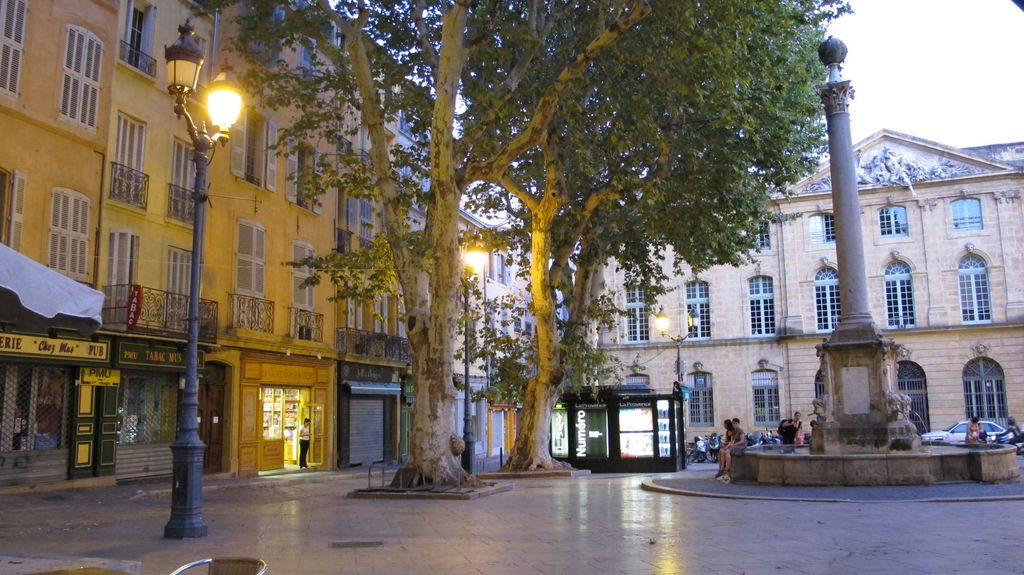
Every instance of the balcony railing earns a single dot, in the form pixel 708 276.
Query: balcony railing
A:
pixel 306 325
pixel 249 312
pixel 372 344
pixel 138 59
pixel 128 185
pixel 157 312
pixel 180 204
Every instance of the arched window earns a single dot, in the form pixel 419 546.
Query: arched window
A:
pixel 899 296
pixel 762 305
pixel 698 302
pixel 984 390
pixel 826 299
pixel 975 298
pixel 702 400
pixel 967 214
pixel 766 397
pixel 638 380
pixel 892 222
pixel 910 379
pixel 819 384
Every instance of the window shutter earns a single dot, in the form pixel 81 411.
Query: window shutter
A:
pixel 79 236
pixel 81 84
pixel 291 185
pixel 244 258
pixel 13 44
pixel 271 156
pixel 238 146
pixel 179 269
pixel 147 30
pixel 18 210
pixel 58 216
pixel 317 204
pixel 259 258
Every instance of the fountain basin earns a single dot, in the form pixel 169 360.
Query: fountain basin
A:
pixel 795 465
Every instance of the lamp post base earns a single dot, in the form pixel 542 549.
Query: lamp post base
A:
pixel 187 492
pixel 468 455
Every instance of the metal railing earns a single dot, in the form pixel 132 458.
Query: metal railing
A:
pixel 306 325
pixel 372 344
pixel 249 312
pixel 138 59
pixel 158 312
pixel 180 204
pixel 128 185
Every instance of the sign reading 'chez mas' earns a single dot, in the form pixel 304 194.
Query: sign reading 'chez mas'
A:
pixel 152 356
pixel 35 346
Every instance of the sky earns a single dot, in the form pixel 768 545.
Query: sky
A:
pixel 950 71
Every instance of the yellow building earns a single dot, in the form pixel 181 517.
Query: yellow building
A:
pixel 56 68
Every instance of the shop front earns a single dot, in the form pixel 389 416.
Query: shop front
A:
pixel 278 393
pixel 368 409
pixel 618 431
pixel 57 408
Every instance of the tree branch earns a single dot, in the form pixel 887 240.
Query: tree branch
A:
pixel 429 54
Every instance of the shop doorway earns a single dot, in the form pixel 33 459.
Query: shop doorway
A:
pixel 284 410
pixel 211 416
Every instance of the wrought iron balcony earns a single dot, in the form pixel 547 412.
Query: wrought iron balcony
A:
pixel 138 59
pixel 249 312
pixel 139 309
pixel 372 344
pixel 128 185
pixel 180 204
pixel 306 325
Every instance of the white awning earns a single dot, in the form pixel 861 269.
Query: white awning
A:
pixel 34 298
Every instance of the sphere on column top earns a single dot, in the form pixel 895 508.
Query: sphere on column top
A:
pixel 832 51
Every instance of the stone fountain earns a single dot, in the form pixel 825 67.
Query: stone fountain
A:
pixel 863 436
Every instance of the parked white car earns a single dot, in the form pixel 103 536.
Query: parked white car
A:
pixel 956 433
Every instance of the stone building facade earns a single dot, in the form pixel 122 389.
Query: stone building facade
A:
pixel 943 247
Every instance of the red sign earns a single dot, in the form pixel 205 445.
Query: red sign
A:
pixel 134 306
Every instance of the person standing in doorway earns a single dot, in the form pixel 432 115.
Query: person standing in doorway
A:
pixel 303 443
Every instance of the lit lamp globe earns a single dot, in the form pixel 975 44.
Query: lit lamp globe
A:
pixel 661 322
pixel 476 259
pixel 223 103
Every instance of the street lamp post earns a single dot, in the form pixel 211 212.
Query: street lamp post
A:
pixel 474 260
pixel 662 323
pixel 224 102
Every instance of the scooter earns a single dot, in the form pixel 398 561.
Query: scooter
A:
pixel 700 449
pixel 1013 437
pixel 714 446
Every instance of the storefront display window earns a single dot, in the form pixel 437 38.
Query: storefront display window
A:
pixel 273 413
pixel 664 429
pixel 147 410
pixel 560 433
pixel 592 432
pixel 33 407
pixel 636 432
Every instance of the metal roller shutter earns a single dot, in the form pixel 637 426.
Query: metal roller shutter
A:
pixel 367 429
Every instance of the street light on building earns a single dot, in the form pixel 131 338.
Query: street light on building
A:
pixel 223 104
pixel 475 260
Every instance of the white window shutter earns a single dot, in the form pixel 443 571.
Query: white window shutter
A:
pixel 317 204
pixel 12 45
pixel 147 30
pixel 259 260
pixel 290 185
pixel 238 146
pixel 271 158
pixel 79 263
pixel 244 258
pixel 18 210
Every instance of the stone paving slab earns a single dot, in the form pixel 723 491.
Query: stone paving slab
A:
pixel 463 494
pixel 41 565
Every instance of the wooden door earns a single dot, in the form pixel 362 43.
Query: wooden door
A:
pixel 211 424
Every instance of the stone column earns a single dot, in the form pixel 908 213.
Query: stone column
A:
pixel 860 411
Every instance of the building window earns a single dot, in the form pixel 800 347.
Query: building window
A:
pixel 826 299
pixel 33 407
pixel 250 259
pixel 365 221
pixel 128 182
pixel 766 397
pixel 819 384
pixel 892 221
pixel 179 270
pixel 303 169
pixel 12 44
pixel 637 324
pixel 698 302
pixel 136 47
pixel 967 214
pixel 253 157
pixel 147 410
pixel 911 380
pixel 984 390
pixel 975 302
pixel 122 260
pixel 702 399
pixel 302 296
pixel 762 305
pixel 80 90
pixel 69 233
pixel 764 237
pixel 899 296
pixel 822 228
